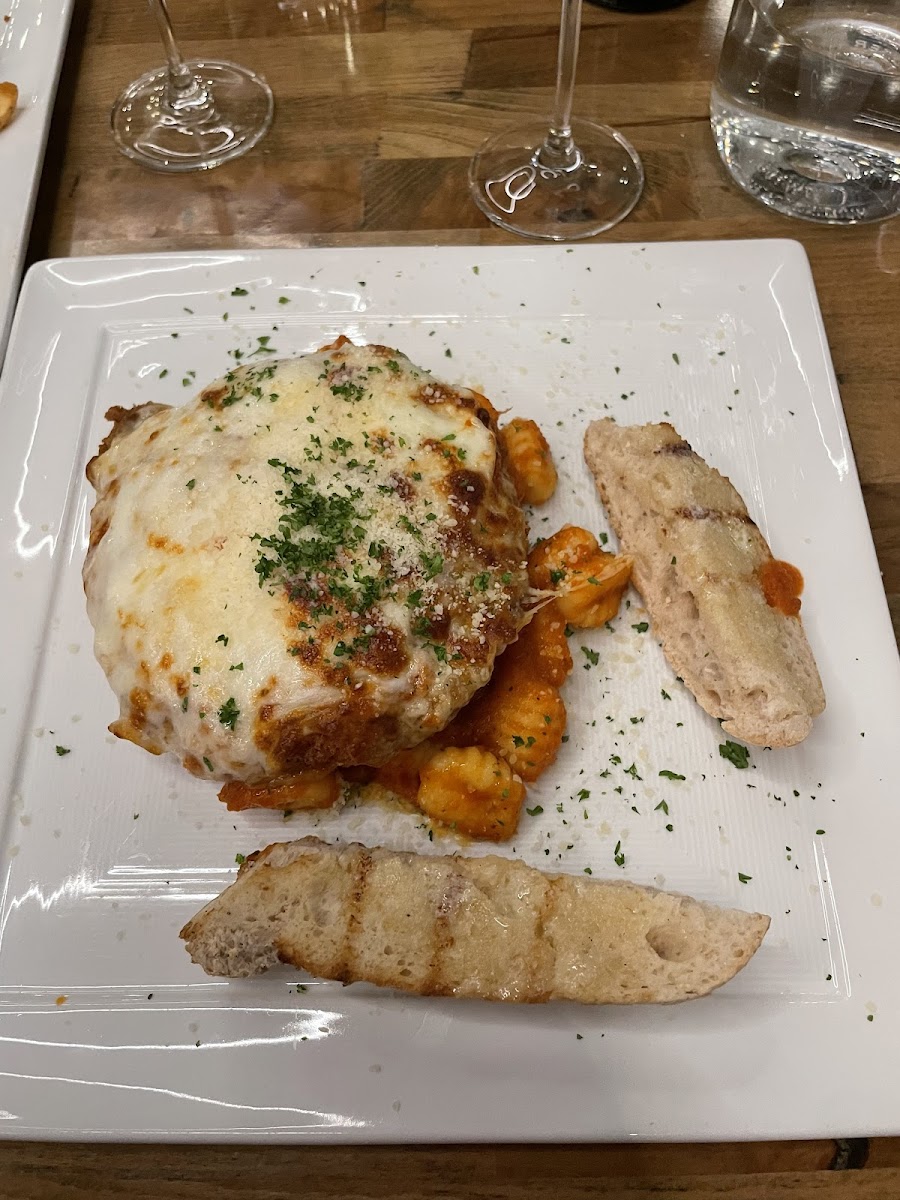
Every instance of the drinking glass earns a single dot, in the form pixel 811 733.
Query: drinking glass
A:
pixel 805 107
pixel 557 178
pixel 190 115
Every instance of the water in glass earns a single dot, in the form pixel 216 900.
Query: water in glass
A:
pixel 806 106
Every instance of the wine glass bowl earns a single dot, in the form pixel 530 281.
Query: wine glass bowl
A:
pixel 190 115
pixel 558 197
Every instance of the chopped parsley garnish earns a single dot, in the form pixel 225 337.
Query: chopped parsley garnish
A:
pixel 312 529
pixel 433 564
pixel 534 812
pixel 670 775
pixel 641 627
pixel 236 667
pixel 240 858
pixel 229 713
pixel 348 391
pixel 184 704
pixel 284 300
pixel 618 856
pixel 239 291
pixel 393 366
pixel 190 484
pixel 744 878
pixel 736 753
pixel 207 763
pixel 592 656
pixel 675 359
pixel 665 695
pixel 480 582
pixel 223 639
pixel 62 751
pixel 662 806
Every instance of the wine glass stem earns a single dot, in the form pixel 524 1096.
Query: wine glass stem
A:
pixel 559 151
pixel 185 93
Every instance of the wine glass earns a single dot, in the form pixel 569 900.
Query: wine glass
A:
pixel 557 178
pixel 190 116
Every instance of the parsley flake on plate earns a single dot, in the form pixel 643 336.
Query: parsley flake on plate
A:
pixel 736 754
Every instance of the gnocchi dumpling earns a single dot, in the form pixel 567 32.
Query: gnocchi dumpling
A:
pixel 529 461
pixel 588 582
pixel 473 791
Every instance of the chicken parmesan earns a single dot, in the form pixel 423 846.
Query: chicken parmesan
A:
pixel 311 565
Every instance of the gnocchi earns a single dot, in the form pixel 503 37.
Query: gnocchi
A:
pixel 588 582
pixel 542 648
pixel 472 790
pixel 529 461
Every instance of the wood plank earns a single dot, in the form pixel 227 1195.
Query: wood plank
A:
pixel 35 1172
pixel 514 55
pixel 323 65
pixel 122 22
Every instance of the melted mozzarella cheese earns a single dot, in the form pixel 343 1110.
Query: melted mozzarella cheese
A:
pixel 312 564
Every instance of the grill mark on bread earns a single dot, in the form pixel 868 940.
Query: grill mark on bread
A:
pixel 543 961
pixel 436 982
pixel 346 972
pixel 696 512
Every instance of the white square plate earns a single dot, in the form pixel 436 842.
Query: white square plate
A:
pixel 32 39
pixel 108 1030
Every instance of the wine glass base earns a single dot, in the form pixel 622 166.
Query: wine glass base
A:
pixel 515 191
pixel 237 114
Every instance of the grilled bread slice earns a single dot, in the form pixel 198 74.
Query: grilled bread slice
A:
pixel 725 611
pixel 489 928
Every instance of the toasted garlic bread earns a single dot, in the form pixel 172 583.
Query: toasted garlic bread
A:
pixel 488 928
pixel 723 608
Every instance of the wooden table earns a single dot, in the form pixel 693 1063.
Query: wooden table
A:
pixel 380 103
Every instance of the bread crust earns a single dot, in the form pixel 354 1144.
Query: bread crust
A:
pixel 698 558
pixel 490 928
